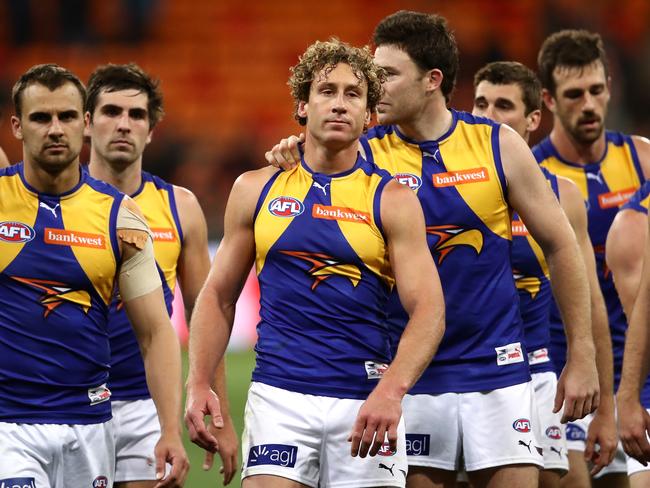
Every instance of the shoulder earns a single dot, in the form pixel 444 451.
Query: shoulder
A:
pixel 642 146
pixel 398 198
pixel 568 190
pixel 252 182
pixel 102 187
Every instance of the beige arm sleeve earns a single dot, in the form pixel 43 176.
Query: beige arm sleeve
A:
pixel 138 273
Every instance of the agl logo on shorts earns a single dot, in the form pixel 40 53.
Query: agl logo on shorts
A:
pixel 417 444
pixel 18 483
pixel 273 454
pixel 286 207
pixel 16 232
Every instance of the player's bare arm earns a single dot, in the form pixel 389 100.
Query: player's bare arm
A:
pixel 624 254
pixel 642 146
pixel 144 303
pixel 531 197
pixel 602 429
pixel 634 420
pixel 421 295
pixel 215 306
pixel 193 267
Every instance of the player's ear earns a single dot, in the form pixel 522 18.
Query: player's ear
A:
pixel 87 123
pixel 301 111
pixel 549 100
pixel 149 137
pixel 434 79
pixel 532 120
pixel 16 128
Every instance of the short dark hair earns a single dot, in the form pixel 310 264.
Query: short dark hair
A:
pixel 512 72
pixel 426 39
pixel 325 56
pixel 572 49
pixel 116 77
pixel 52 76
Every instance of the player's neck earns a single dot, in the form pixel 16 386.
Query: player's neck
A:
pixel 52 182
pixel 125 177
pixel 328 159
pixel 430 124
pixel 575 151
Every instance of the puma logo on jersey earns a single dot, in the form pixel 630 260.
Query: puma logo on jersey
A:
pixel 324 267
pixel 321 187
pixel 451 237
pixel 51 209
pixel 595 176
pixel 427 154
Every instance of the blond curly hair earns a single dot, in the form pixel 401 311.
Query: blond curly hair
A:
pixel 325 56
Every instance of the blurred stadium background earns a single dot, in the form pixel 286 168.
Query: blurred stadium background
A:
pixel 224 65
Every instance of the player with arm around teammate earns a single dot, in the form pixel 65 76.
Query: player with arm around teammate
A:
pixel 76 239
pixel 460 166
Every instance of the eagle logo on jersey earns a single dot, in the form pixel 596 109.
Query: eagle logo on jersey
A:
pixel 324 267
pixel 55 293
pixel 531 284
pixel 452 236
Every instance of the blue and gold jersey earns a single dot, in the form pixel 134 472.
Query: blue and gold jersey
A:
pixel 532 277
pixel 155 198
pixel 460 183
pixel 640 201
pixel 58 261
pixel 605 185
pixel 325 277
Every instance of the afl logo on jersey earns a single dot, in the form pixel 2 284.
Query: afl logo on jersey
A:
pixel 521 425
pixel 16 232
pixel 286 207
pixel 412 181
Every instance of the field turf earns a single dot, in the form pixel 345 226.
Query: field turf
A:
pixel 239 365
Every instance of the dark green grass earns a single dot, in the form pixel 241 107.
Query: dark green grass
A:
pixel 238 369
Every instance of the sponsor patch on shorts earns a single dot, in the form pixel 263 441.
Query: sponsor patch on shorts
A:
pixel 521 425
pixel 554 432
pixel 418 444
pixel 375 370
pixel 100 482
pixel 18 483
pixel 273 454
pixel 509 354
pixel 575 433
pixel 99 394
